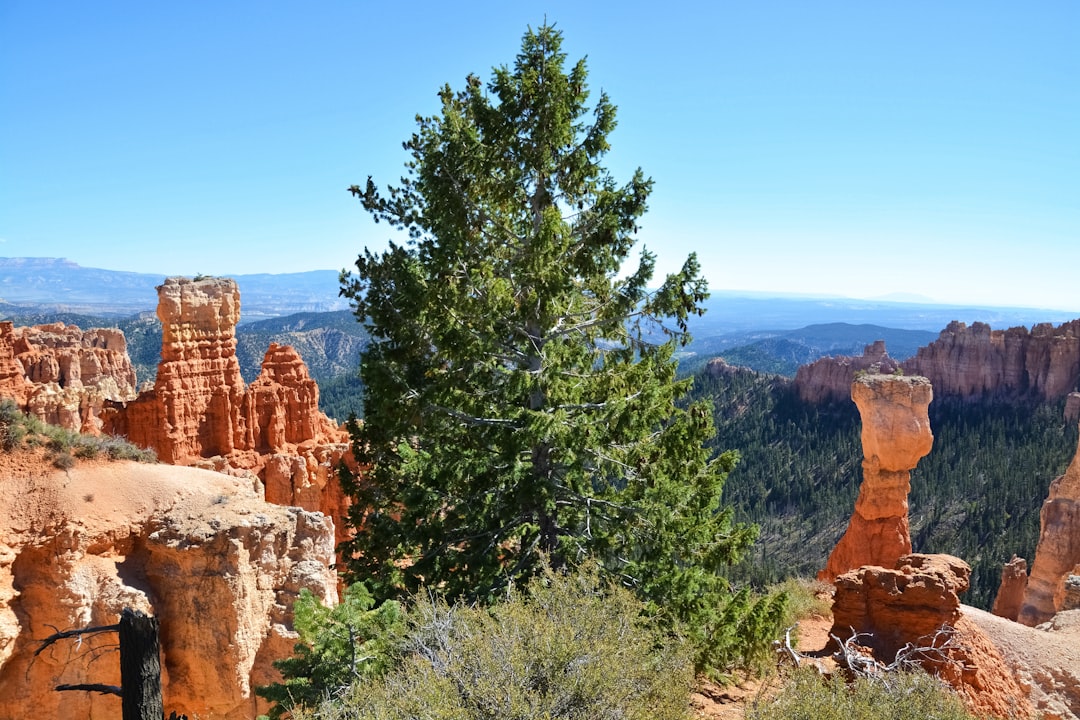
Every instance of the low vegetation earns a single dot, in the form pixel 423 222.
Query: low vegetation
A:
pixel 569 645
pixel 903 696
pixel 63 447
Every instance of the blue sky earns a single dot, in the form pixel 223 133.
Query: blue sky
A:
pixel 852 148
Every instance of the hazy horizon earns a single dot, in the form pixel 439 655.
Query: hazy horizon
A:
pixel 853 149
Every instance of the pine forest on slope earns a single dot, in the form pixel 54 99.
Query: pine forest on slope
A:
pixel 977 494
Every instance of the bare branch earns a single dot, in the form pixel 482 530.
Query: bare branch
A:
pixel 61 634
pixel 94 687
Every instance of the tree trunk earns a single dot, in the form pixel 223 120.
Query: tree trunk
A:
pixel 140 667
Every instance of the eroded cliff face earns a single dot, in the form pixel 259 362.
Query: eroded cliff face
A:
pixel 202 551
pixel 1058 553
pixel 895 435
pixel 916 600
pixel 972 361
pixel 967 362
pixel 63 375
pixel 829 379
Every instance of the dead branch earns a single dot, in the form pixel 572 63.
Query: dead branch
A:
pixel 785 650
pixel 935 649
pixel 93 687
pixel 61 634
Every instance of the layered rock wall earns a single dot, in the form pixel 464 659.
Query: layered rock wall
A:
pixel 1057 554
pixel 63 375
pixel 217 565
pixel 895 435
pixel 199 411
pixel 829 379
pixel 967 362
pixel 974 361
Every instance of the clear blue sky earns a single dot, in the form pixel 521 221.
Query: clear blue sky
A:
pixel 854 148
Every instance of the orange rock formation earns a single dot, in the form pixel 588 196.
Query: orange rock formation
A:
pixel 966 362
pixel 200 413
pixel 829 379
pixel 63 375
pixel 1010 594
pixel 1058 553
pixel 971 361
pixel 895 435
pixel 217 565
pixel 910 604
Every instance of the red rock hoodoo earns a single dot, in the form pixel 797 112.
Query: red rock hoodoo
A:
pixel 895 435
pixel 1058 553
pixel 200 413
pixel 1010 594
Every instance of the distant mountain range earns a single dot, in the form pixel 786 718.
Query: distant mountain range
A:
pixel 768 333
pixel 29 285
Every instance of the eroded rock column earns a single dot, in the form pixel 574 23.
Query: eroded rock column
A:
pixel 895 436
pixel 1058 552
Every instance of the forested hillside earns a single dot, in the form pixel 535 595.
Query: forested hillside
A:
pixel 977 495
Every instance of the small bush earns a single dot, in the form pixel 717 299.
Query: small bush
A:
pixel 571 647
pixel 806 599
pixel 12 428
pixel 87 450
pixel 337 646
pixel 63 461
pixel 906 696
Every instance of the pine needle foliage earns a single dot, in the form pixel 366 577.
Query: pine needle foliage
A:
pixel 522 399
pixel 337 647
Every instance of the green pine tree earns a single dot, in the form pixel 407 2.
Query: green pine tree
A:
pixel 521 397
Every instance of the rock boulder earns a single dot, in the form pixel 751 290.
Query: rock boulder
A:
pixel 917 602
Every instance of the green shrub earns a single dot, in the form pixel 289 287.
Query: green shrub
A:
pixel 901 696
pixel 806 599
pixel 12 428
pixel 337 646
pixel 87 450
pixel 571 647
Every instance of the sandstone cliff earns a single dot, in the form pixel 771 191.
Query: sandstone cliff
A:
pixel 966 361
pixel 895 435
pixel 63 375
pixel 1058 553
pixel 218 566
pixel 199 411
pixel 829 379
pixel 975 360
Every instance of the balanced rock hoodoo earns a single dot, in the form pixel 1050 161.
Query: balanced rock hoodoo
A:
pixel 895 435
